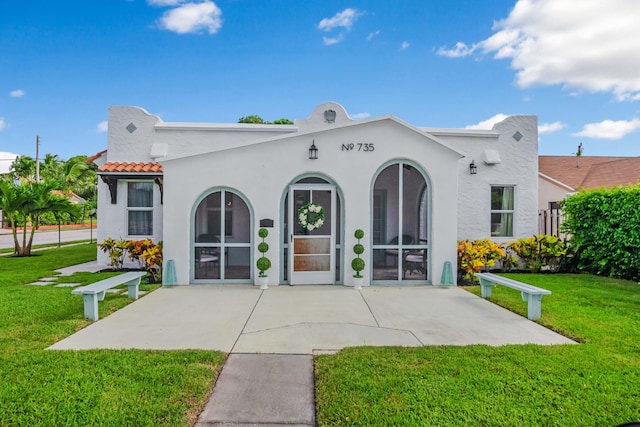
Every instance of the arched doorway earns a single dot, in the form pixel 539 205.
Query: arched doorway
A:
pixel 400 225
pixel 222 239
pixel 312 256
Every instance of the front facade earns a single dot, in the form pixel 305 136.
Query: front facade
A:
pixel 206 189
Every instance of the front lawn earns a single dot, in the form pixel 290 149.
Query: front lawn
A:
pixel 594 383
pixel 39 387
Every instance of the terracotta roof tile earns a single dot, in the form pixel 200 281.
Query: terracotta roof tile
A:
pixel 125 167
pixel 591 171
pixel 96 156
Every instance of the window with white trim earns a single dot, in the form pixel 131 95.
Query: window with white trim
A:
pixel 502 210
pixel 139 208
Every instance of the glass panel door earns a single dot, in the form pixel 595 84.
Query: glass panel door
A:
pixel 312 235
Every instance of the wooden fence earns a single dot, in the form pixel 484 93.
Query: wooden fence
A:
pixel 549 221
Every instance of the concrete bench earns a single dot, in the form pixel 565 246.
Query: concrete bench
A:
pixel 531 294
pixel 95 292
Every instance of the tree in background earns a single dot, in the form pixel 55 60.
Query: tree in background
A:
pixel 255 119
pixel 23 169
pixel 69 176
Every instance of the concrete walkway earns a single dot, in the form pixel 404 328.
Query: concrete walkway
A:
pixel 271 335
pixel 301 320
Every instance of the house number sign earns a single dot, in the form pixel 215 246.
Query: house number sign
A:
pixel 358 147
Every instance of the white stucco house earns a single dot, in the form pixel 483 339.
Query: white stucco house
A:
pixel 205 189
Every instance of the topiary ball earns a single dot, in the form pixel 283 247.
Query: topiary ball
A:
pixel 358 249
pixel 263 233
pixel 359 234
pixel 263 264
pixel 357 264
pixel 263 247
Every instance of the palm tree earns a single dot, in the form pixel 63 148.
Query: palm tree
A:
pixel 24 203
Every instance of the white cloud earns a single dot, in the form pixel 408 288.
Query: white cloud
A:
pixel 361 116
pixel 18 93
pixel 193 18
pixel 373 34
pixel 461 50
pixel 103 126
pixel 162 3
pixel 590 46
pixel 328 41
pixel 551 127
pixel 3 124
pixel 5 161
pixel 405 45
pixel 488 124
pixel 609 129
pixel 344 19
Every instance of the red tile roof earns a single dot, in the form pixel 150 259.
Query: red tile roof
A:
pixel 131 167
pixel 590 171
pixel 96 156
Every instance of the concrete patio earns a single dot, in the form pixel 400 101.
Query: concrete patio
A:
pixel 307 319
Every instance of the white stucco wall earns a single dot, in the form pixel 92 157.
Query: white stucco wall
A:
pixel 112 218
pixel 518 167
pixel 260 161
pixel 262 173
pixel 551 192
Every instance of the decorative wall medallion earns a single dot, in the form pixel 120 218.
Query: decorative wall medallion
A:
pixel 131 128
pixel 517 136
pixel 329 116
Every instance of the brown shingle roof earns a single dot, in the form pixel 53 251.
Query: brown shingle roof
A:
pixel 610 174
pixel 131 167
pixel 590 171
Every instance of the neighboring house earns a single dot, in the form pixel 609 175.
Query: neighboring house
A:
pixel 205 189
pixel 70 195
pixel 560 176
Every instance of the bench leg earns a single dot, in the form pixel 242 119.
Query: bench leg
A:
pixel 486 287
pixel 90 306
pixel 534 306
pixel 132 290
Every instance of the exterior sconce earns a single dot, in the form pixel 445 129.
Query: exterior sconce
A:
pixel 473 169
pixel 313 151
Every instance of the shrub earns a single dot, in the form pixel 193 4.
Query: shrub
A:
pixel 116 250
pixel 145 252
pixel 604 225
pixel 540 252
pixel 475 255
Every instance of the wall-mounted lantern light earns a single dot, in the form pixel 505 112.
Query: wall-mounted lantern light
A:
pixel 313 151
pixel 473 169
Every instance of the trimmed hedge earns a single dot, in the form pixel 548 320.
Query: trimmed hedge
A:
pixel 604 225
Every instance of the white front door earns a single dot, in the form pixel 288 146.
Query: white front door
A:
pixel 312 255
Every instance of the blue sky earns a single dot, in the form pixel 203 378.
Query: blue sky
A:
pixel 437 63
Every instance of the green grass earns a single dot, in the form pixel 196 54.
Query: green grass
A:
pixel 9 251
pixel 595 383
pixel 40 387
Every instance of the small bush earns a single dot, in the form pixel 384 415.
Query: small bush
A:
pixel 542 252
pixel 475 255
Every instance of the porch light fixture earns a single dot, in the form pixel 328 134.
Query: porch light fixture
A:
pixel 473 169
pixel 313 151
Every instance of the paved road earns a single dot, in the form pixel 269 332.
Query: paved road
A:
pixel 48 236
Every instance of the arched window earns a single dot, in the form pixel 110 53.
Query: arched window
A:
pixel 400 222
pixel 222 234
